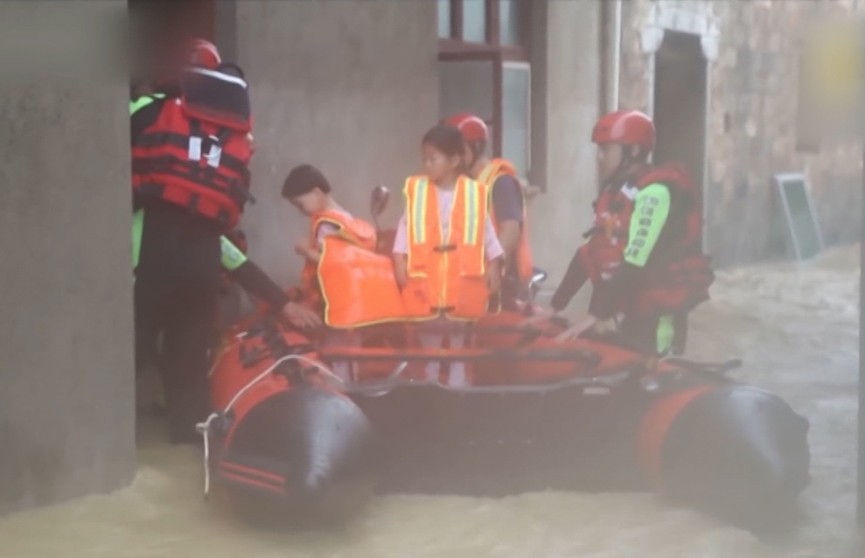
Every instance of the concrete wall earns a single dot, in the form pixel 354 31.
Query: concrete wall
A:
pixel 752 124
pixel 66 343
pixel 566 65
pixel 350 87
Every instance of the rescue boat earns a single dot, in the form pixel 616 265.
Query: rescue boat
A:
pixel 287 447
pixel 535 414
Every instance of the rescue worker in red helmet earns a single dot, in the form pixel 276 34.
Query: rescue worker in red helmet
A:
pixel 506 201
pixel 190 180
pixel 643 254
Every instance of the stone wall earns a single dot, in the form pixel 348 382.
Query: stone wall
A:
pixel 752 124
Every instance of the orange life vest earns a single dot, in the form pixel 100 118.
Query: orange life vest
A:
pixel 355 231
pixel 357 286
pixel 523 256
pixel 446 269
pixel 351 285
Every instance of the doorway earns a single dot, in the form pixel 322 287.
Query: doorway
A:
pixel 158 26
pixel 680 106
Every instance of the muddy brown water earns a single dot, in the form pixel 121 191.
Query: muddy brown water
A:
pixel 796 327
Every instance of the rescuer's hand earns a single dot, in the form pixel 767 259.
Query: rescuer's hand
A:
pixel 604 326
pixel 300 315
pixel 529 190
pixel 541 314
pixel 574 332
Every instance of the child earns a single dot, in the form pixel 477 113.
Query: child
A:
pixel 447 258
pixel 308 190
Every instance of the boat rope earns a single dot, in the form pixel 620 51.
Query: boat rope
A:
pixel 203 428
pixel 608 381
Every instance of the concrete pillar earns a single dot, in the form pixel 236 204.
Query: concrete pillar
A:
pixel 567 99
pixel 350 87
pixel 66 336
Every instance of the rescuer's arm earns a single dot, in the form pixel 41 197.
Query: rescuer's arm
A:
pixel 323 230
pixel 651 209
pixel 251 277
pixel 255 281
pixel 494 253
pixel 508 206
pixel 311 254
pixel 143 112
pixel 574 279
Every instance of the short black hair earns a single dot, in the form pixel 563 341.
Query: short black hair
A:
pixel 447 139
pixel 302 179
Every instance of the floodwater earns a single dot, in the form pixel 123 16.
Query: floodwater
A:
pixel 796 327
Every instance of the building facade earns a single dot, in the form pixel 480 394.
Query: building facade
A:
pixel 354 85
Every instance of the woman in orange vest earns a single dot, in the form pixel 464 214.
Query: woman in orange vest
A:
pixel 447 257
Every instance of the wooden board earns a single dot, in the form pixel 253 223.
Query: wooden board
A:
pixel 801 220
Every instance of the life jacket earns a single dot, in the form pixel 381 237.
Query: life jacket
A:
pixel 356 231
pixel 446 274
pixel 678 275
pixel 197 152
pixel 357 286
pixel 523 256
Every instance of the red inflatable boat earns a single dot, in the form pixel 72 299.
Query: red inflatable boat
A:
pixel 291 437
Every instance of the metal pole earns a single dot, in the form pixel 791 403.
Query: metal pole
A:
pixel 860 483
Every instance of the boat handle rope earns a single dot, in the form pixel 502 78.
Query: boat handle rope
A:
pixel 203 428
pixel 392 378
pixel 385 387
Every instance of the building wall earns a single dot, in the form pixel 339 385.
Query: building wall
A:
pixel 350 87
pixel 752 125
pixel 566 62
pixel 359 110
pixel 66 339
pixel 372 90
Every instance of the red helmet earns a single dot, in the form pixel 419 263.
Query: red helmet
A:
pixel 204 53
pixel 627 127
pixel 472 126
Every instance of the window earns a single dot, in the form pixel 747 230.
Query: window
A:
pixel 516 111
pixel 444 19
pixel 474 21
pixel 484 68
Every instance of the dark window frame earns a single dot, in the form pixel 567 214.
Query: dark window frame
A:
pixel 455 49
